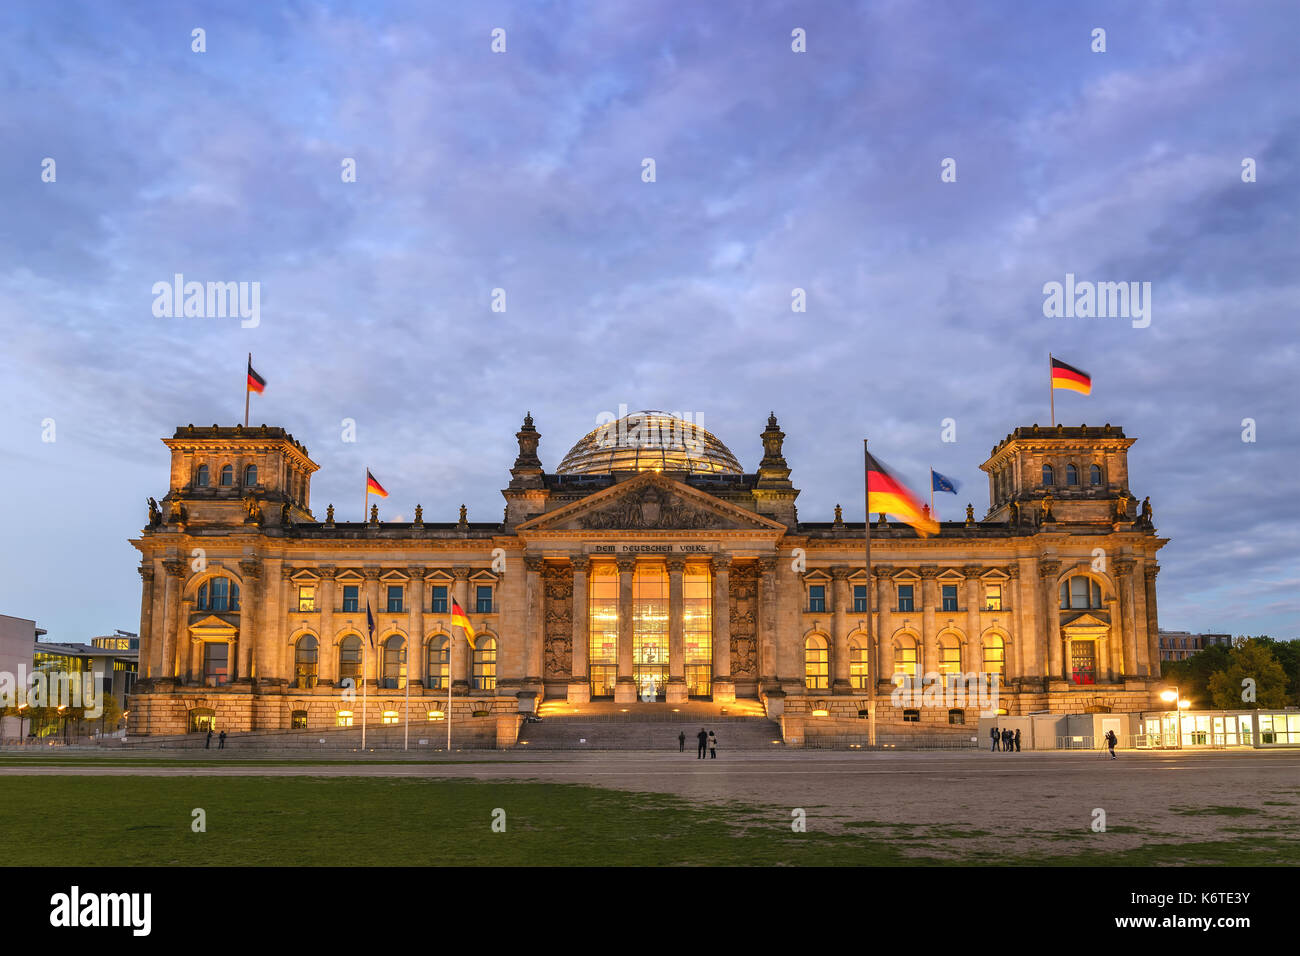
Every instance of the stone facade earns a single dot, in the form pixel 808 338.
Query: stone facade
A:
pixel 678 576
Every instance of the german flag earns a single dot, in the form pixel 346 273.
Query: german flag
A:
pixel 887 494
pixel 458 619
pixel 255 382
pixel 374 487
pixel 1067 376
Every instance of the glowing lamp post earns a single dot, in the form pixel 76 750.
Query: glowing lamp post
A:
pixel 1180 705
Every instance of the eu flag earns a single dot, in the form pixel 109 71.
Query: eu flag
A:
pixel 939 482
pixel 370 625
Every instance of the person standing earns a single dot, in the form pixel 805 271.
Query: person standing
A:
pixel 1111 741
pixel 1017 740
pixel 1006 740
pixel 221 740
pixel 207 744
pixel 681 742
pixel 713 746
pixel 993 733
pixel 703 739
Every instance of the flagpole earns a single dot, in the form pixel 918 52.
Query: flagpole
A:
pixel 406 652
pixel 1051 388
pixel 451 644
pixel 363 697
pixel 873 679
pixel 365 508
pixel 932 514
pixel 247 389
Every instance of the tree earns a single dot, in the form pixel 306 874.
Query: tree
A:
pixel 1253 660
pixel 1192 676
pixel 108 720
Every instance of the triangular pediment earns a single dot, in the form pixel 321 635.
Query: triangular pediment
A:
pixel 651 502
pixel 212 628
pixel 1085 622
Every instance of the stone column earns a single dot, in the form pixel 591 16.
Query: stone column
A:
pixel 415 656
pixel 281 653
pixel 1113 643
pixel 460 654
pixel 326 662
pixel 928 657
pixel 625 690
pixel 369 655
pixel 579 691
pixel 884 627
pixel 676 691
pixel 174 570
pixel 186 649
pixel 1140 636
pixel 1149 573
pixel 535 603
pixel 1013 662
pixel 250 573
pixel 724 688
pixel 147 641
pixel 768 665
pixel 1124 621
pixel 1047 572
pixel 974 660
pixel 839 632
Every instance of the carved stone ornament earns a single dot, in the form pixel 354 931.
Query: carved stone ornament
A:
pixel 652 509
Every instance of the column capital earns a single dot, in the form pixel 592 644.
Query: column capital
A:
pixel 287 572
pixel 882 572
pixel 534 563
pixel 1124 565
pixel 721 563
pixel 146 572
pixel 1013 571
pixel 371 574
pixel 580 562
pixel 626 563
pixel 765 565
pixel 417 573
pixel 174 569
pixel 972 571
pixel 1150 571
pixel 327 572
pixel 460 572
pixel 250 570
pixel 1047 569
pixel 929 571
pixel 840 572
pixel 676 565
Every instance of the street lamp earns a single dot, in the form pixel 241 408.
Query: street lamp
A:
pixel 1180 705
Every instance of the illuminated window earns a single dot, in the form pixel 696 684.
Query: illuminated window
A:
pixel 483 599
pixel 343 718
pixel 697 629
pixel 435 715
pixel 216 663
pixel 817 598
pixel 905 597
pixel 351 598
pixel 218 594
pixel 1080 591
pixel 250 476
pixel 860 598
pixel 602 641
pixel 994 655
pixel 227 476
pixel 485 664
pixel 912 716
pixel 1049 476
pixel 305 658
pixel 992 597
pixel 949 654
pixel 201 477
pixel 816 666
pixel 1083 664
pixel 439 668
pixel 905 657
pixel 956 716
pixel 950 597
pixel 306 597
pixel 439 605
pixel 650 630
pixel 202 719
pixel 1071 475
pixel 350 660
pixel 394 598
pixel 298 720
pixel 858 663
pixel 390 716
pixel 393 674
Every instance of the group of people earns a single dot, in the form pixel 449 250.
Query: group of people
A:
pixel 221 741
pixel 707 742
pixel 1004 740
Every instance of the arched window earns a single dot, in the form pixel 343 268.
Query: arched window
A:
pixel 858 664
pixel 250 476
pixel 1094 474
pixel 439 669
pixel 305 658
pixel 995 656
pixel 1080 591
pixel 350 660
pixel 949 654
pixel 1071 475
pixel 201 477
pixel 816 663
pixel 217 594
pixel 485 664
pixel 394 667
pixel 905 657
pixel 1049 476
pixel 227 476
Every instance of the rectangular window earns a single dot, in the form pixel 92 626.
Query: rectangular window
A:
pixel 307 597
pixel 912 716
pixel 1083 665
pixel 956 716
pixel 343 718
pixel 992 597
pixel 905 597
pixel 817 598
pixel 483 599
pixel 950 597
pixel 860 598
pixel 351 597
pixel 439 599
pixel 215 659
pixel 394 598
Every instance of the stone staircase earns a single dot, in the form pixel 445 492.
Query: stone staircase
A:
pixel 652 727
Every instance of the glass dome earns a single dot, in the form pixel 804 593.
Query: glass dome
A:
pixel 649 441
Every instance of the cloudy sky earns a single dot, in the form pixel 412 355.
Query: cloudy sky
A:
pixel 522 171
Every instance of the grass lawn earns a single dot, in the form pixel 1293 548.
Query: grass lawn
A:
pixel 363 821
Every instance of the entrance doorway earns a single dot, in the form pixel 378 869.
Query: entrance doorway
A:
pixel 603 677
